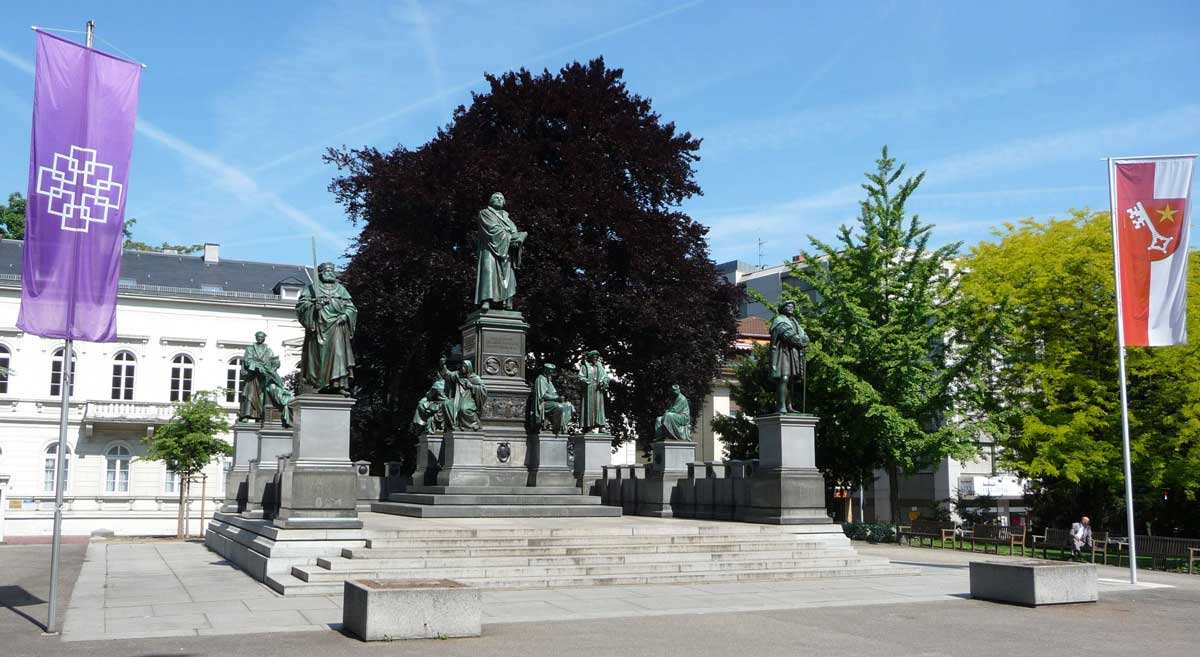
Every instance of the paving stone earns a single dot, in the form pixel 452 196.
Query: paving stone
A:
pixel 299 602
pixel 266 621
pixel 224 606
pixel 155 623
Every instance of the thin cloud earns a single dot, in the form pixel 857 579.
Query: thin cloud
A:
pixel 230 177
pixel 463 86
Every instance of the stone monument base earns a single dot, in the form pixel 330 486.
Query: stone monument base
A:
pixel 592 452
pixel 547 454
pixel 318 485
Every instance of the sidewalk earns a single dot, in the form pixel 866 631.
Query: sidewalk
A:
pixel 168 589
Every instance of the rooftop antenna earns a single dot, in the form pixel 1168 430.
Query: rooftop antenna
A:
pixel 760 252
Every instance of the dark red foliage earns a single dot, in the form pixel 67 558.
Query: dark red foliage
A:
pixel 595 177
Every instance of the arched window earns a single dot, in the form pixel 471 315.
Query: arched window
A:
pixel 5 357
pixel 51 465
pixel 122 375
pixel 181 378
pixel 56 373
pixel 233 379
pixel 116 469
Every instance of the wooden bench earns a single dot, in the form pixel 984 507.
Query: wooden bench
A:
pixel 930 529
pixel 997 535
pixel 1161 548
pixel 1061 538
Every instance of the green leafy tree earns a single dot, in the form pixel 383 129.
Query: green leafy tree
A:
pixel 188 442
pixel 12 217
pixel 886 358
pixel 136 245
pixel 1051 379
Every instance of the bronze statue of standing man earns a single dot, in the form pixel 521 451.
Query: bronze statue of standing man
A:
pixel 788 346
pixel 499 250
pixel 329 317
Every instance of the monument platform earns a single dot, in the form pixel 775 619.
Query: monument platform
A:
pixel 494 502
pixel 517 553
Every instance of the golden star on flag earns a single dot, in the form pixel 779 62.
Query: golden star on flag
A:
pixel 1167 213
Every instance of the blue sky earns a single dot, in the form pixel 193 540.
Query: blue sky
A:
pixel 1008 106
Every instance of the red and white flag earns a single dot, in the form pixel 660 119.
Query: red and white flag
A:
pixel 1150 222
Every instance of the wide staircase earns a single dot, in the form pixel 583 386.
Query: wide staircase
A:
pixel 537 558
pixel 495 502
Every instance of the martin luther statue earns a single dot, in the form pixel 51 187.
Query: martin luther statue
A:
pixel 499 250
pixel 329 317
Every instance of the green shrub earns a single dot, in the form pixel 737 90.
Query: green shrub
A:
pixel 871 532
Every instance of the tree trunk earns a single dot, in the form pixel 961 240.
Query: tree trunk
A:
pixel 894 493
pixel 181 519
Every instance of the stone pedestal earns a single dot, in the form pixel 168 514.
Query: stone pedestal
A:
pixel 659 491
pixel 318 487
pixel 262 496
pixel 593 451
pixel 245 448
pixel 786 488
pixel 429 460
pixel 462 460
pixel 494 341
pixel 386 610
pixel 548 461
pixel 1033 583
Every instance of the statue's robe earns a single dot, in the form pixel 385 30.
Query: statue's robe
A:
pixel 430 414
pixel 329 318
pixel 495 280
pixel 262 385
pixel 595 382
pixel 548 409
pixel 676 423
pixel 788 342
pixel 468 394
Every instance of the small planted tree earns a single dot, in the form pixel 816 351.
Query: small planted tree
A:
pixel 188 442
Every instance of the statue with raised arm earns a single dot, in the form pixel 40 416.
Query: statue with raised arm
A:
pixel 466 397
pixel 261 384
pixel 430 416
pixel 329 317
pixel 594 377
pixel 788 346
pixel 548 410
pixel 676 422
pixel 498 248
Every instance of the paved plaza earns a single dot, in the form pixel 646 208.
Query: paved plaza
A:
pixel 164 597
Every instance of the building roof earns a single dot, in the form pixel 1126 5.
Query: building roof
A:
pixel 172 274
pixel 753 327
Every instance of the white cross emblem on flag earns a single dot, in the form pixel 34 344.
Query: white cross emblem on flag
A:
pixel 79 188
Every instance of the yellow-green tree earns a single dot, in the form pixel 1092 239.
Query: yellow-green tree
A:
pixel 1050 387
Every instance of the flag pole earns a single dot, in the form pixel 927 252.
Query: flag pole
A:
pixel 1121 369
pixel 66 380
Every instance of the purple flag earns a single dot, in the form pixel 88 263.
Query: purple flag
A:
pixel 84 107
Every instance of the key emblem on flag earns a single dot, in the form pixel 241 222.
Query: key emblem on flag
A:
pixel 1137 215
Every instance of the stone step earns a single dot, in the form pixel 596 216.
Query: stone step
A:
pixel 581 541
pixel 495 490
pixel 581 550
pixel 590 510
pixel 316 573
pixel 289 585
pixel 668 529
pixel 383 563
pixel 490 500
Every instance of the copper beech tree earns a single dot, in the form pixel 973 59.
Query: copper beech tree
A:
pixel 597 178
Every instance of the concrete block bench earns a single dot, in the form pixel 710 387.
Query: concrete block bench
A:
pixel 385 610
pixel 1033 583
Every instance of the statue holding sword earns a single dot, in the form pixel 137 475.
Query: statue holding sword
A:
pixel 328 315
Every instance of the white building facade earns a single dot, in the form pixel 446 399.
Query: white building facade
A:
pixel 183 322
